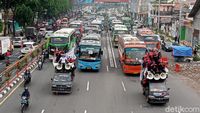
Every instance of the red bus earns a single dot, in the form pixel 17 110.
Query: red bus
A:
pixel 131 52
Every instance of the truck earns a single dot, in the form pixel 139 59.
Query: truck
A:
pixel 5 45
pixel 154 84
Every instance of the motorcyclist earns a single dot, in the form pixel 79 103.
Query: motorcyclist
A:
pixel 40 59
pixel 27 74
pixel 73 68
pixel 26 94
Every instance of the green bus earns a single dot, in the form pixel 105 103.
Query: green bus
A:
pixel 62 40
pixel 128 22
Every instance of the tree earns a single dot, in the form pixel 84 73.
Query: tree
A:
pixel 6 5
pixel 24 15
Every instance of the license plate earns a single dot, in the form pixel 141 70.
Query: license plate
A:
pixel 88 68
pixel 157 94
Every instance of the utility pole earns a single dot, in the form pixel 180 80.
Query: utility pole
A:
pixel 180 17
pixel 159 16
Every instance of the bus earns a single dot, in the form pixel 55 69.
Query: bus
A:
pixel 63 39
pixel 151 40
pixel 78 25
pixel 131 52
pixel 128 22
pixel 118 29
pixel 89 55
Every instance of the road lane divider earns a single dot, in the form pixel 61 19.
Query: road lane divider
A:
pixel 8 91
pixel 109 52
pixel 112 51
pixel 88 85
pixel 12 85
pixel 107 68
pixel 105 53
pixel 124 88
pixel 85 111
pixel 43 111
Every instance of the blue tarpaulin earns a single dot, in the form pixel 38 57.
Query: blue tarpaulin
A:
pixel 182 51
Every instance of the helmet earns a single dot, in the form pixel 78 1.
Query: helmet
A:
pixel 26 88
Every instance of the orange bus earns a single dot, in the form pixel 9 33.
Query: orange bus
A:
pixel 151 40
pixel 131 51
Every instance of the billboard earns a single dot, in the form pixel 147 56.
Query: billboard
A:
pixel 111 1
pixel 85 1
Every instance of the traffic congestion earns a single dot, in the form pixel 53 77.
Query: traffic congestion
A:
pixel 99 61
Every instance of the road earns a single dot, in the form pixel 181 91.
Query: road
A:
pixel 107 91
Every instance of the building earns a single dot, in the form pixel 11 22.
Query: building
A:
pixel 166 11
pixel 195 14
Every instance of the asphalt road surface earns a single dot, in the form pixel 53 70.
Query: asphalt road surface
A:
pixel 106 91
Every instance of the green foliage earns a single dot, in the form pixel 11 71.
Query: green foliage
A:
pixel 196 58
pixel 24 15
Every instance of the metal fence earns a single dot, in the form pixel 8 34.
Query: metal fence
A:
pixel 14 69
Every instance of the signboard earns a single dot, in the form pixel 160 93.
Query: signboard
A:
pixel 165 20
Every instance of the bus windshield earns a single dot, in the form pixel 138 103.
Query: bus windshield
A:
pixel 89 52
pixel 150 38
pixel 133 53
pixel 59 40
pixel 121 32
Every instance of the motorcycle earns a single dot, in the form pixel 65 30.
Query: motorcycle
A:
pixel 24 103
pixel 40 63
pixel 27 80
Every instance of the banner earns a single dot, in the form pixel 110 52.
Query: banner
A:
pixel 71 54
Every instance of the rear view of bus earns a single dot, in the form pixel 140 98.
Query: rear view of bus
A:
pixel 151 40
pixel 131 51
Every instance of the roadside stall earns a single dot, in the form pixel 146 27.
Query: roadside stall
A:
pixel 182 53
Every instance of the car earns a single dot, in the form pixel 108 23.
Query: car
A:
pixel 28 47
pixel 19 40
pixel 167 46
pixel 61 83
pixel 157 93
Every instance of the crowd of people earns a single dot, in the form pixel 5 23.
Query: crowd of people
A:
pixel 153 62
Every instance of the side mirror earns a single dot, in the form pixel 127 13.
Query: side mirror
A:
pixel 168 88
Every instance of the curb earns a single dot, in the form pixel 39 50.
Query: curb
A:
pixel 13 83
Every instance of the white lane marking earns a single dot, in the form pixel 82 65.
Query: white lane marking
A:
pixel 105 53
pixel 112 50
pixel 85 111
pixel 109 52
pixel 131 111
pixel 107 68
pixel 88 85
pixel 43 111
pixel 123 86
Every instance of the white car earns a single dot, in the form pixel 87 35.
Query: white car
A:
pixel 29 46
pixel 18 41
